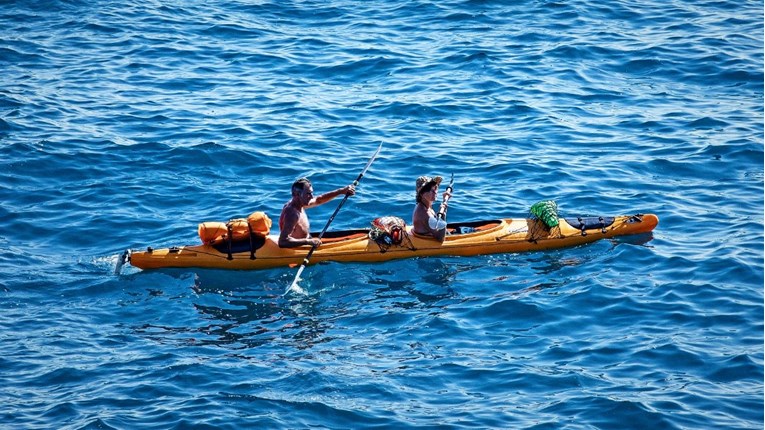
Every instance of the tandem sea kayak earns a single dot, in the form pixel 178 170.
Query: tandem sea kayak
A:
pixel 261 251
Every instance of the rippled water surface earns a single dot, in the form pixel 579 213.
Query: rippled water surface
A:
pixel 124 124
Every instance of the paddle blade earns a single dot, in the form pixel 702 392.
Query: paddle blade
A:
pixel 294 285
pixel 121 260
pixel 297 289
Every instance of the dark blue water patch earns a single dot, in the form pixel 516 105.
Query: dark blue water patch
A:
pixel 9 104
pixel 558 10
pixel 11 57
pixel 642 66
pixel 103 28
pixel 622 13
pixel 471 57
pixel 672 356
pixel 400 110
pixel 48 5
pixel 742 77
pixel 573 52
pixel 365 69
pixel 233 31
pixel 257 60
pixel 608 408
pixel 304 412
pixel 737 368
pixel 466 18
pixel 413 10
pixel 320 16
pixel 5 128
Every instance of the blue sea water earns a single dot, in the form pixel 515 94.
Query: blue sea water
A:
pixel 124 124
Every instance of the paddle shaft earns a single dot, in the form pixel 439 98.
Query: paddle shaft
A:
pixel 445 203
pixel 326 226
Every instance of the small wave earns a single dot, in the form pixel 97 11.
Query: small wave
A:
pixel 736 368
pixel 398 109
pixel 642 66
pixel 233 31
pixel 10 56
pixel 707 123
pixel 5 127
pixel 102 28
pixel 357 70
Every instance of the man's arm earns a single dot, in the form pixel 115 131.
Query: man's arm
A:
pixel 439 235
pixel 324 198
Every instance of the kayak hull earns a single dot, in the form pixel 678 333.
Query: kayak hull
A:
pixel 474 238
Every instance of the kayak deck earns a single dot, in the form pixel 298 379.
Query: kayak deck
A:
pixel 464 239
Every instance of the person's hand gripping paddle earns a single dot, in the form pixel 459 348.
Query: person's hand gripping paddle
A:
pixel 440 221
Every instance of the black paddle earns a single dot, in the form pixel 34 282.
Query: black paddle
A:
pixel 313 247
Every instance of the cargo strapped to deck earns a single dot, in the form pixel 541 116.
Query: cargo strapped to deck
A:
pixel 589 223
pixel 251 244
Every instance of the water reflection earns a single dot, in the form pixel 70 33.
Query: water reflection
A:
pixel 548 264
pixel 635 239
pixel 414 283
pixel 237 309
pixel 248 309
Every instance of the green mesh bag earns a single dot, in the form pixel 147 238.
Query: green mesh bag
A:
pixel 547 211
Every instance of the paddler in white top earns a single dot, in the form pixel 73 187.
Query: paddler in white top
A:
pixel 425 222
pixel 293 222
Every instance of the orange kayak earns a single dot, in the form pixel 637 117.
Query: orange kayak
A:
pixel 464 239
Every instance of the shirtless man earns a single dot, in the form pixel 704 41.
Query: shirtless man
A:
pixel 293 222
pixel 424 219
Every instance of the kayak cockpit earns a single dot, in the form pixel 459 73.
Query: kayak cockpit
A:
pixel 472 227
pixel 339 236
